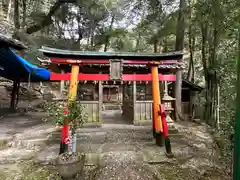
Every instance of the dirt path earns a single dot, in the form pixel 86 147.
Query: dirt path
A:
pixel 113 151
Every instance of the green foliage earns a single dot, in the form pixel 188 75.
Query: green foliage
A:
pixel 56 112
pixel 75 116
pixel 228 76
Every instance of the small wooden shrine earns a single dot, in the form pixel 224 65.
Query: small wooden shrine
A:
pixel 190 108
pixel 123 78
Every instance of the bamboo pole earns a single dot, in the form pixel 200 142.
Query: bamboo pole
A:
pixel 156 106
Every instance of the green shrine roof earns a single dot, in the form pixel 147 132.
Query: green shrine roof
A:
pixel 52 52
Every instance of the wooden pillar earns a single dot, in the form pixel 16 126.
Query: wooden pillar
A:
pixel 178 94
pixel 161 86
pixel 134 101
pixel 100 98
pixel 14 94
pixel 123 97
pixel 191 105
pixel 71 97
pixel 62 84
pixel 156 106
pixel 73 83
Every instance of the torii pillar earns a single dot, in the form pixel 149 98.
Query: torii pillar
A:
pixel 72 93
pixel 157 123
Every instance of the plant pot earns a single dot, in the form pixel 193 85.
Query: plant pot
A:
pixel 69 165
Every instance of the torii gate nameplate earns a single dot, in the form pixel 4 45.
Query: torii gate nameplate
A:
pixel 116 69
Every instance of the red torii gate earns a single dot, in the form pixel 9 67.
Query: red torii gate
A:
pixel 152 61
pixel 105 77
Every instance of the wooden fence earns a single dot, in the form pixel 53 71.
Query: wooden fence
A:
pixel 143 111
pixel 91 111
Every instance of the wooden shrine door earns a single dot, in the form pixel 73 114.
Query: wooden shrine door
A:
pixel 111 94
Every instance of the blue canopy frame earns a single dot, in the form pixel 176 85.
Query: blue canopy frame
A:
pixel 15 68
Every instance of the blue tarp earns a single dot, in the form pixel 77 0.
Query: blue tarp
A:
pixel 14 67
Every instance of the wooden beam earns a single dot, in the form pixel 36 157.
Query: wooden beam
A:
pixel 105 77
pixel 148 77
pixel 105 61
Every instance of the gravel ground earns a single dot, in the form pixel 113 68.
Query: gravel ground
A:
pixel 130 153
pixel 133 171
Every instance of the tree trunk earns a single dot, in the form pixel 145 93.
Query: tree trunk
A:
pixel 9 9
pixel 91 39
pixel 204 34
pixel 1 10
pixel 178 95
pixel 236 158
pixel 16 14
pixel 179 46
pixel 139 32
pixel 191 44
pixel 155 46
pixel 24 4
pixel 165 45
pixel 209 60
pixel 138 42
pixel 108 36
pixel 47 20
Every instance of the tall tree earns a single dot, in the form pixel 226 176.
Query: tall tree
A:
pixel 236 161
pixel 16 14
pixel 191 43
pixel 107 38
pixel 179 46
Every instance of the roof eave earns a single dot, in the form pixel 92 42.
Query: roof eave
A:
pixel 52 52
pixel 12 43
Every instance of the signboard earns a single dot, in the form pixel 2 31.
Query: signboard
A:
pixel 116 69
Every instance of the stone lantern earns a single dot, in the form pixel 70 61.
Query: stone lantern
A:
pixel 168 102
